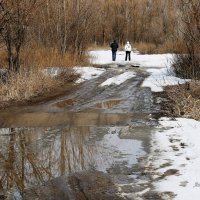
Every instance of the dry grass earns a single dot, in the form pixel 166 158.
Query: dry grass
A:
pixel 171 46
pixel 34 56
pixel 145 48
pixel 186 99
pixel 168 46
pixel 25 85
pixel 42 57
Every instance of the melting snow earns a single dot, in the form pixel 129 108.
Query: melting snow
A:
pixel 88 73
pixel 155 60
pixel 180 146
pixel 117 80
pixel 159 78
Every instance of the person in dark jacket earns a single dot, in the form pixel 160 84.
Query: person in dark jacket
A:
pixel 114 46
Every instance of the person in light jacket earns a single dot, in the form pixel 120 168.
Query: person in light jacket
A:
pixel 128 50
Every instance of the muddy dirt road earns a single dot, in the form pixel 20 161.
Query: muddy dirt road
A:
pixel 90 144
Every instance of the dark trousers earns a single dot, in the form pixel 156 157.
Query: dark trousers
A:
pixel 114 55
pixel 128 55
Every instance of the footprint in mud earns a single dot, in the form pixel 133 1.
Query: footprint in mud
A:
pixel 165 165
pixel 182 165
pixel 178 154
pixel 174 140
pixel 175 148
pixel 183 145
pixel 169 172
pixel 183 183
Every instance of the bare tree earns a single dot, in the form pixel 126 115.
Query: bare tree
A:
pixel 187 65
pixel 69 26
pixel 14 21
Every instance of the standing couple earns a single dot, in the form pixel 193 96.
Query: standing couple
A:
pixel 114 46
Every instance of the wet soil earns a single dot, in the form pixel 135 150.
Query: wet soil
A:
pixel 88 144
pixel 41 98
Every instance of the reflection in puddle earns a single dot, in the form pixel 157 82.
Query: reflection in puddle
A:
pixel 123 152
pixel 65 103
pixel 46 119
pixel 107 104
pixel 30 156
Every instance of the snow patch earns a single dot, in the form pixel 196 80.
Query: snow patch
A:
pixel 119 79
pixel 104 57
pixel 54 71
pixel 160 78
pixel 179 145
pixel 87 73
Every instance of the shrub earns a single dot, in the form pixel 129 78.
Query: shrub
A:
pixel 186 99
pixel 187 66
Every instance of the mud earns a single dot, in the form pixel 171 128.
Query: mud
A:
pixel 88 144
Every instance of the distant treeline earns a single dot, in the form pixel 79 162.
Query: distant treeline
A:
pixel 71 25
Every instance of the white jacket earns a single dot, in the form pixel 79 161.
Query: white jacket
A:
pixel 128 47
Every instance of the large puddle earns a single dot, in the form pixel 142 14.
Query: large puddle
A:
pixel 49 119
pixel 31 156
